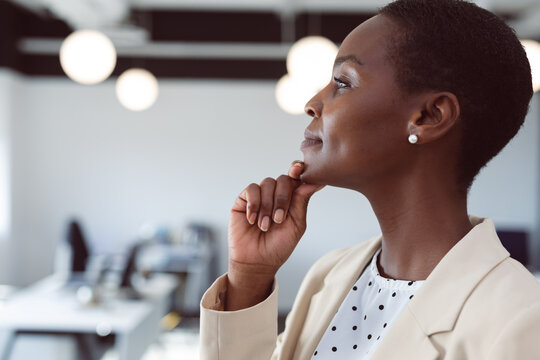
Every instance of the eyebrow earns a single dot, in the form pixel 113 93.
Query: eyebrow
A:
pixel 342 59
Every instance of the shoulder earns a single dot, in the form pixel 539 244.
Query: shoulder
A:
pixel 518 338
pixel 514 293
pixel 510 285
pixel 508 299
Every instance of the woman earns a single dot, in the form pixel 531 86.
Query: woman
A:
pixel 423 95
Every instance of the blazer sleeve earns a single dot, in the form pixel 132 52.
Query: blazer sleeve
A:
pixel 249 334
pixel 520 338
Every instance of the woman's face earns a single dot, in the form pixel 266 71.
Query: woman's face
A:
pixel 360 116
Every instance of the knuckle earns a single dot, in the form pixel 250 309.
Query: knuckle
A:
pixel 252 186
pixel 268 181
pixel 252 195
pixel 283 178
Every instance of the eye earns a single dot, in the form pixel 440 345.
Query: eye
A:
pixel 340 83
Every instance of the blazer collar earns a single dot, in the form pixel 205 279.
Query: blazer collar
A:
pixel 438 302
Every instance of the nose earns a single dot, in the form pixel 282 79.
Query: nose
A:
pixel 314 106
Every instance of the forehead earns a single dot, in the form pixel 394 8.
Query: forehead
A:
pixel 369 40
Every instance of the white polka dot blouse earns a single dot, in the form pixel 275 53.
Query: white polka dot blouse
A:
pixel 365 316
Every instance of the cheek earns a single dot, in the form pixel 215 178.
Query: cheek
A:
pixel 370 140
pixel 351 137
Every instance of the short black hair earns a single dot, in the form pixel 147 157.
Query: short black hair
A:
pixel 456 46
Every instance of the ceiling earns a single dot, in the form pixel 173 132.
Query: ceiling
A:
pixel 339 5
pixel 328 5
pixel 237 39
pixel 97 13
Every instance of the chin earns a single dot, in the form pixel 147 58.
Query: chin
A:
pixel 313 176
pixel 328 176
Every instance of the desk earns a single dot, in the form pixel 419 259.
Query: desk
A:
pixel 48 307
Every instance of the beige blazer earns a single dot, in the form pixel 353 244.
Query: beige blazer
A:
pixel 478 303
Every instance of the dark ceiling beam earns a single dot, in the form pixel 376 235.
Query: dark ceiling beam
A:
pixel 210 26
pixel 48 65
pixel 334 26
pixel 249 27
pixel 9 34
pixel 17 22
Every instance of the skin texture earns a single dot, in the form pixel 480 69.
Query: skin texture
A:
pixel 363 120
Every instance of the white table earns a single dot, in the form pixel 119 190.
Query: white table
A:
pixel 50 308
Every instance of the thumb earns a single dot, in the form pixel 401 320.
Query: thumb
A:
pixel 300 199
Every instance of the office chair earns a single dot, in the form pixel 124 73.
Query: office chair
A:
pixel 79 247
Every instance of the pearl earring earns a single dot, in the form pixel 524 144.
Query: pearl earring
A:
pixel 413 139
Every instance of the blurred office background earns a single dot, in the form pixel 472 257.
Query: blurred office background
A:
pixel 151 189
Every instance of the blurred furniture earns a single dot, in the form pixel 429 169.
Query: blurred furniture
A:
pixel 74 256
pixel 52 308
pixel 190 264
pixel 193 261
pixel 78 246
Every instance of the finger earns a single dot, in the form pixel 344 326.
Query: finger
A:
pixel 282 197
pixel 252 196
pixel 300 199
pixel 296 168
pixel 267 203
pixel 240 204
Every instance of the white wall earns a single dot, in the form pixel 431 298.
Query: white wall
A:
pixel 8 82
pixel 76 151
pixel 508 189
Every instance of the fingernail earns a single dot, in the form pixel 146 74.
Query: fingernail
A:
pixel 298 164
pixel 278 216
pixel 265 223
pixel 252 218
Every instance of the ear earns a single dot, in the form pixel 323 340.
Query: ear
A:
pixel 439 113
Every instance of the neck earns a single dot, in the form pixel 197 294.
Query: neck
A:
pixel 419 226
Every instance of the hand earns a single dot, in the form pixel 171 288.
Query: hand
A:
pixel 267 222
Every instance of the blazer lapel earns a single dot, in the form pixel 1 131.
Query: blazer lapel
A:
pixel 406 340
pixel 326 303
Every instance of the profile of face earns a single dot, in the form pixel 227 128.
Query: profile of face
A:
pixel 361 116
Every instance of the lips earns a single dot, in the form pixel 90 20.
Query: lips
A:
pixel 311 139
pixel 310 135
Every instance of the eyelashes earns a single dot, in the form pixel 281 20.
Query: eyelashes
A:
pixel 340 83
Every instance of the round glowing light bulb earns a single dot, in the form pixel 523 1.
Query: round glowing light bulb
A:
pixel 532 48
pixel 311 59
pixel 137 89
pixel 292 94
pixel 87 56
